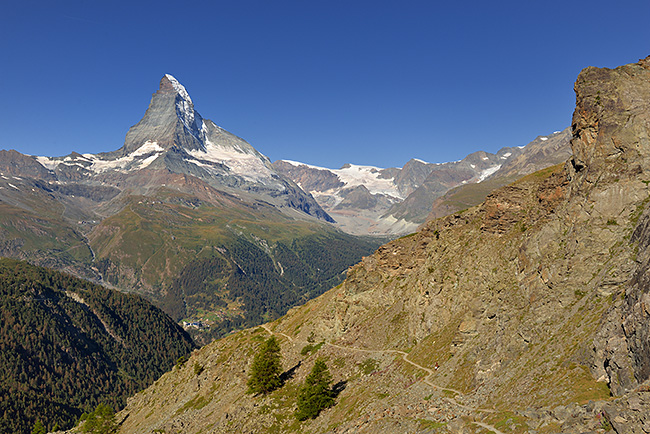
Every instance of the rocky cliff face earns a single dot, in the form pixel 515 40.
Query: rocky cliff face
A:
pixel 523 314
pixel 610 145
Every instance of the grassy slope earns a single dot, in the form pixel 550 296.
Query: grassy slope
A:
pixel 41 236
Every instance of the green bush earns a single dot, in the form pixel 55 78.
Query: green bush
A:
pixel 39 428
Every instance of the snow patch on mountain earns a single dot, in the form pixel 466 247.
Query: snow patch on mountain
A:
pixel 245 164
pixel 47 162
pixel 487 172
pixel 149 150
pixel 311 166
pixel 354 175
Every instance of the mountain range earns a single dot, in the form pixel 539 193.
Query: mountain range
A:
pixel 202 224
pixel 366 200
pixel 196 220
pixel 527 313
pixel 185 213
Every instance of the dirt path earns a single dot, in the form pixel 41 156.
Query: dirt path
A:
pixel 404 355
pixel 488 427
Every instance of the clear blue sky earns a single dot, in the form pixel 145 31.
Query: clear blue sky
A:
pixel 324 82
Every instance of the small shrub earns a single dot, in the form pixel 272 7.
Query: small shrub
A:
pixel 368 366
pixel 311 348
pixel 39 428
pixel 198 369
pixel 100 421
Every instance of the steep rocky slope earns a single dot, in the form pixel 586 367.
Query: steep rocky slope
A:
pixel 524 314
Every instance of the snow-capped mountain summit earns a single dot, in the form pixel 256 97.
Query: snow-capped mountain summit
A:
pixel 174 137
pixel 170 120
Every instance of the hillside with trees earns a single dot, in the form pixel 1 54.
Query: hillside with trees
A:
pixel 252 285
pixel 67 345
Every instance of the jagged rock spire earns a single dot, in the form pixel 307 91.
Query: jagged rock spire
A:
pixel 170 120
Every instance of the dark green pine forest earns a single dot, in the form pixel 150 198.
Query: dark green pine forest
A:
pixel 67 345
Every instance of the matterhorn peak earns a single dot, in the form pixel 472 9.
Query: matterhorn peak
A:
pixel 169 84
pixel 169 121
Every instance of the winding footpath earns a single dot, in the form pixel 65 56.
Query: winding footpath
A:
pixel 405 358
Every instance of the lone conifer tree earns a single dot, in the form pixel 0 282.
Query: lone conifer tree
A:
pixel 316 393
pixel 266 369
pixel 39 428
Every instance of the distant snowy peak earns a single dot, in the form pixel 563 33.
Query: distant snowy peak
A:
pixel 172 125
pixel 173 138
pixel 172 130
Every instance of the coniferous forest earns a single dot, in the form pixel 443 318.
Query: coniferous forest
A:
pixel 67 345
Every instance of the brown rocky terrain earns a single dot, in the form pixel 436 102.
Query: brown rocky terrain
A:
pixel 525 314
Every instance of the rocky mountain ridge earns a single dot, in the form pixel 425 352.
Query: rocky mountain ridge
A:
pixel 543 152
pixel 523 314
pixel 173 136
